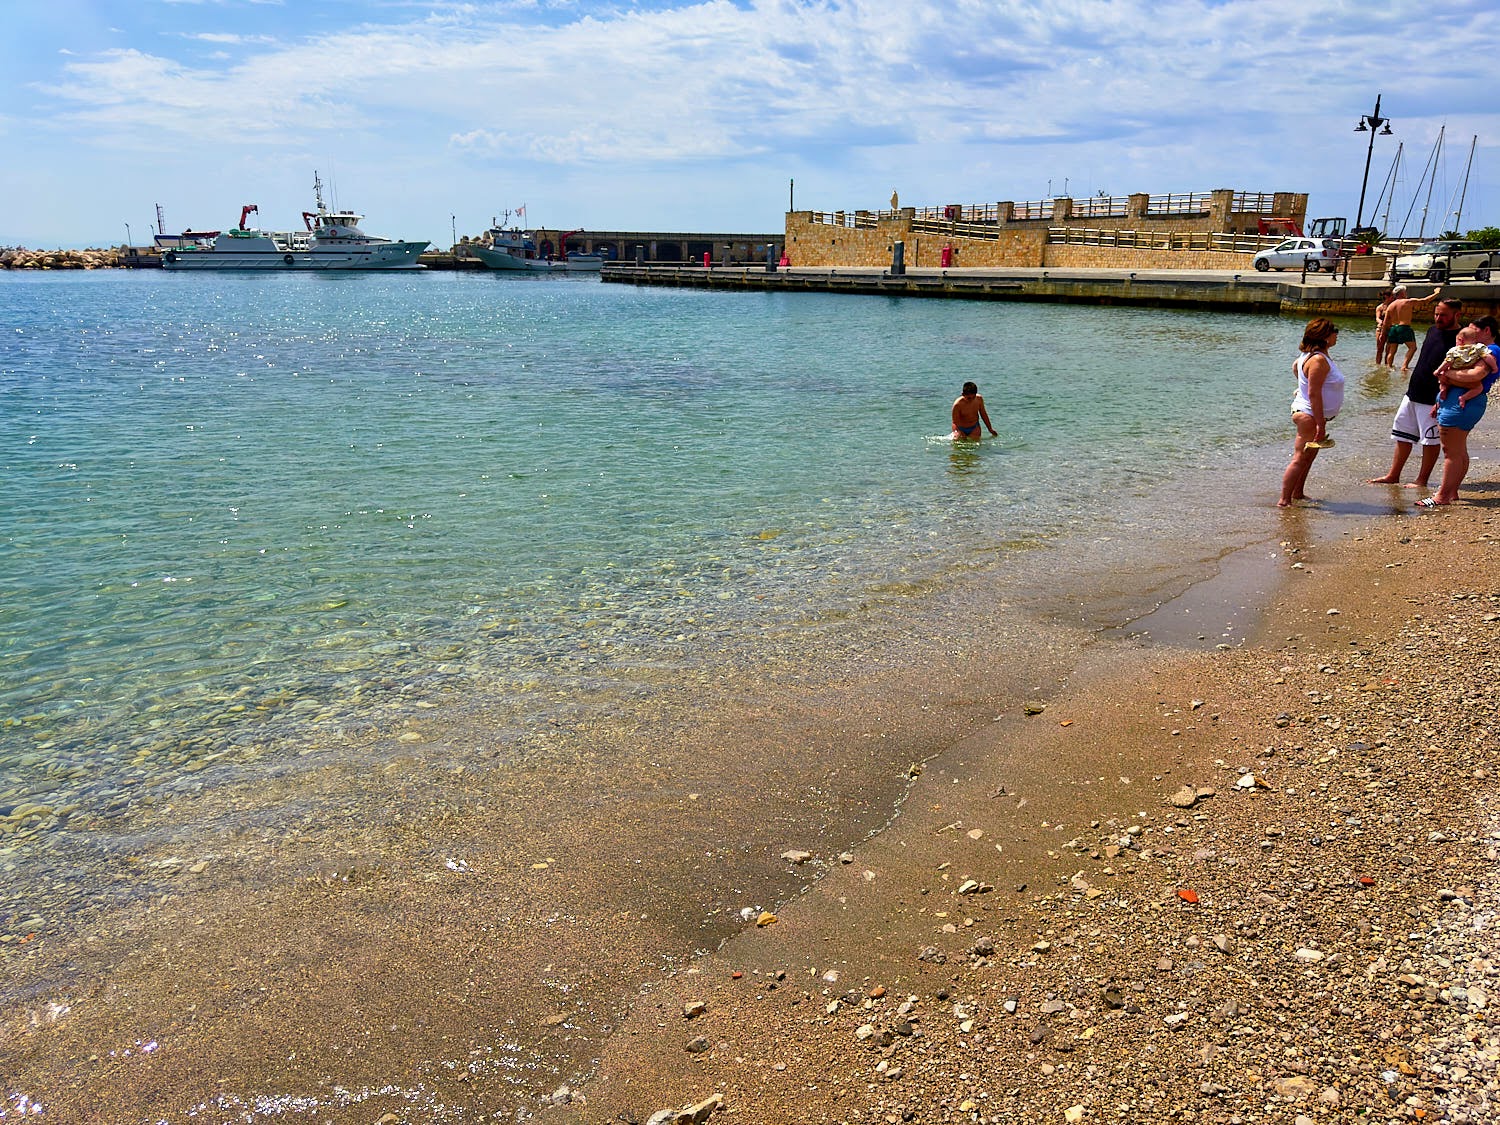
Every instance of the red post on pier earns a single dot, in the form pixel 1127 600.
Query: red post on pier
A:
pixel 708 260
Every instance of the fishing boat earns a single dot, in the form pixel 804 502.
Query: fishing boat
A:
pixel 332 240
pixel 188 239
pixel 515 250
pixel 165 241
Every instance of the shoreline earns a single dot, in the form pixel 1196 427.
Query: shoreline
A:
pixel 1319 940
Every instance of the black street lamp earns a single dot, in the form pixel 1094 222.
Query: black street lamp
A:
pixel 1370 122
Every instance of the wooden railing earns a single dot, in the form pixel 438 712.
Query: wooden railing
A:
pixel 1089 207
pixel 1188 203
pixel 1101 207
pixel 1160 240
pixel 1040 209
pixel 1253 203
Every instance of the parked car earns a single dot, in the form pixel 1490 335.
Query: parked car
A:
pixel 1293 253
pixel 1445 258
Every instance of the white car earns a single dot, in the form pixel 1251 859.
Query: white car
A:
pixel 1293 253
pixel 1449 257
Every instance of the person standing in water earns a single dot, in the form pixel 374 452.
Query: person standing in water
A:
pixel 1320 393
pixel 1380 329
pixel 968 411
pixel 1397 321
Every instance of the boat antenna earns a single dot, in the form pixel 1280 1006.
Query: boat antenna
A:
pixel 1464 191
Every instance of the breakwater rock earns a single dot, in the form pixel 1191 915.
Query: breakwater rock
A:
pixel 20 258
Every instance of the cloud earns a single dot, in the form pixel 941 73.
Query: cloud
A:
pixel 224 37
pixel 958 99
pixel 679 82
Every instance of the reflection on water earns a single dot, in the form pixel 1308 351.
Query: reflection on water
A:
pixel 963 457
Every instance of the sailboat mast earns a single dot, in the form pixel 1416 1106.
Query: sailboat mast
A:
pixel 1463 194
pixel 1427 203
pixel 1385 220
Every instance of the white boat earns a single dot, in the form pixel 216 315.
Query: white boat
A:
pixel 332 241
pixel 515 250
pixel 188 239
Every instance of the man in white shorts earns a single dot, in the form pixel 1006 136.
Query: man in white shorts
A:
pixel 1414 424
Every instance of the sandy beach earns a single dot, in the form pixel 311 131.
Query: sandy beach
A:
pixel 1248 885
pixel 1130 882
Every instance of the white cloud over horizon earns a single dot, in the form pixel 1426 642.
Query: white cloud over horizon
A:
pixel 694 116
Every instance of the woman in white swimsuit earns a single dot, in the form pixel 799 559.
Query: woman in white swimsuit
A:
pixel 1320 393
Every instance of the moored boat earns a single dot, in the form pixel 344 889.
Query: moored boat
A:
pixel 515 250
pixel 332 240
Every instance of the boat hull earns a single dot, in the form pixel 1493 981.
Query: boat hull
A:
pixel 507 262
pixel 386 256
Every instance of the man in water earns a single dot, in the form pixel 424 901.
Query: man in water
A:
pixel 1397 323
pixel 1414 422
pixel 968 409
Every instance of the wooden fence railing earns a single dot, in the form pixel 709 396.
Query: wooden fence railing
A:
pixel 1102 207
pixel 1253 203
pixel 1188 203
pixel 1160 240
pixel 1088 207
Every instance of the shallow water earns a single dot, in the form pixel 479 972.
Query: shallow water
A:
pixel 237 505
pixel 576 542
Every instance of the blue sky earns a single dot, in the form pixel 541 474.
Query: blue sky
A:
pixel 693 116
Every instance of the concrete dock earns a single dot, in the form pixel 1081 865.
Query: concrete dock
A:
pixel 1227 290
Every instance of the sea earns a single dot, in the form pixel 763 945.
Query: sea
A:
pixel 256 526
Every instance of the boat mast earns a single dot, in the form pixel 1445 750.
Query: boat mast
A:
pixel 1464 191
pixel 1385 221
pixel 1427 203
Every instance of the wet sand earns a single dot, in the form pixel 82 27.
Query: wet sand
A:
pixel 455 960
pixel 1308 933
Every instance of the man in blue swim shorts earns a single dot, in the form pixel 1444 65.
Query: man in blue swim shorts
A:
pixel 968 410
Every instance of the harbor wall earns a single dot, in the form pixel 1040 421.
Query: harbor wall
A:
pixel 1320 295
pixel 1210 230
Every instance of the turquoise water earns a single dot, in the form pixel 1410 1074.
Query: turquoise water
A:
pixel 239 506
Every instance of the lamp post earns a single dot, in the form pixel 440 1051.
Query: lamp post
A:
pixel 127 236
pixel 1370 122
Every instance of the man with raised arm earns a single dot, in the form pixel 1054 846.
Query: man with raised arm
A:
pixel 1397 324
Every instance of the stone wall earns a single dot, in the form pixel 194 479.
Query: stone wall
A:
pixel 992 236
pixel 1128 258
pixel 821 244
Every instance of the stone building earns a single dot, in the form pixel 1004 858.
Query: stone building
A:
pixel 1197 230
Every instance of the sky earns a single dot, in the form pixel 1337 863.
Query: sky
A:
pixel 717 116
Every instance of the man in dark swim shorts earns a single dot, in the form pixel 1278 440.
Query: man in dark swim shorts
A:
pixel 1397 324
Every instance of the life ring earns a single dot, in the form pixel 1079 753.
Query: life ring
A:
pixel 289 260
pixel 170 257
